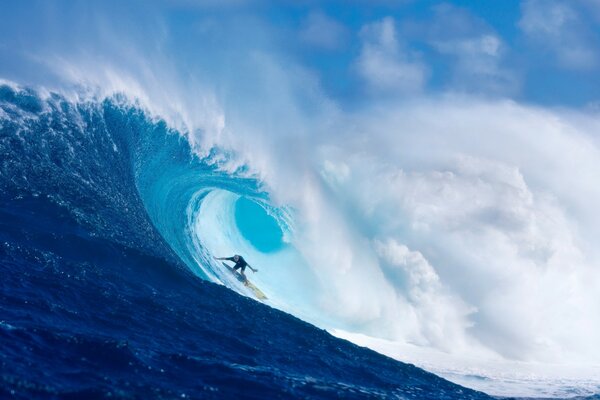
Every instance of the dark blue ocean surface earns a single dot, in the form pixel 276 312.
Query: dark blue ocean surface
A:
pixel 97 298
pixel 87 318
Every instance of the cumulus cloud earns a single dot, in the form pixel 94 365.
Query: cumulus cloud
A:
pixel 384 64
pixel 557 27
pixel 323 32
pixel 477 50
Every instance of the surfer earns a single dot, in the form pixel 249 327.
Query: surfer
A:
pixel 240 264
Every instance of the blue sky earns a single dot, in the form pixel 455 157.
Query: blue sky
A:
pixel 543 52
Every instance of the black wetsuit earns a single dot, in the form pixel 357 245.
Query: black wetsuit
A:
pixel 240 263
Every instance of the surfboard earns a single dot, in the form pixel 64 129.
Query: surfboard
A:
pixel 256 291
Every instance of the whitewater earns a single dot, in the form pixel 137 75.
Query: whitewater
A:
pixel 455 260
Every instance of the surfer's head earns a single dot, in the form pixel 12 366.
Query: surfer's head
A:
pixel 236 258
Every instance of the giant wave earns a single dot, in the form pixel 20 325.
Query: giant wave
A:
pixel 98 303
pixel 123 176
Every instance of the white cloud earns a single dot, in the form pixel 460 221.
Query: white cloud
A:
pixel 557 27
pixel 477 50
pixel 385 65
pixel 324 32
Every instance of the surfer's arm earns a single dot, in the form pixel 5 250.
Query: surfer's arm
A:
pixel 224 258
pixel 253 270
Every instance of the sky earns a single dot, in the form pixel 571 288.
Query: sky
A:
pixel 534 51
pixel 542 52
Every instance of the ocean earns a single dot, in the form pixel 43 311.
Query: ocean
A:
pixel 105 295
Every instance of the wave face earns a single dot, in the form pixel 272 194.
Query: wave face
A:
pixel 122 175
pixel 97 201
